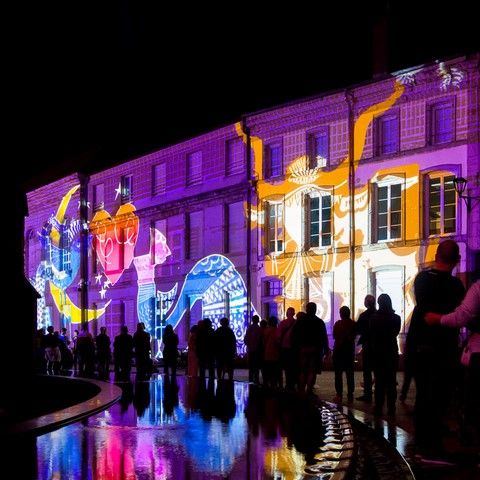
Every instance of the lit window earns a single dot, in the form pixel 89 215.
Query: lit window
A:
pixel 159 179
pixel 274 215
pixel 234 156
pixel 273 288
pixel 319 221
pixel 388 212
pixel 194 168
pixel 126 188
pixel 318 149
pixel 441 122
pixel 387 134
pixel 442 204
pixel 273 160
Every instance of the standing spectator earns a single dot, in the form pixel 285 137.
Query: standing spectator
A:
pixel 288 361
pixel 263 327
pixel 103 352
pixel 141 344
pixel 170 351
pixel 363 329
pixel 344 332
pixel 385 326
pixel 467 314
pixel 74 350
pixel 85 351
pixel 253 341
pixel 206 348
pixel 271 354
pixel 225 349
pixel 192 359
pixel 123 352
pixel 51 344
pixel 309 337
pixel 435 347
pixel 64 336
pixel 40 357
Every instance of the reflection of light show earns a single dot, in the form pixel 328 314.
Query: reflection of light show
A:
pixel 187 428
pixel 349 193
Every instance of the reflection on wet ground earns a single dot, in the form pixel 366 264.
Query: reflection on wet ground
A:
pixel 186 428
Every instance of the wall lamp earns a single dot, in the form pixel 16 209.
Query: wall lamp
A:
pixel 460 185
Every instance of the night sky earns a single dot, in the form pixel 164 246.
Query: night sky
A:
pixel 94 84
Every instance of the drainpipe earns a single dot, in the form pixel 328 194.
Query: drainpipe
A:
pixel 83 287
pixel 351 191
pixel 246 130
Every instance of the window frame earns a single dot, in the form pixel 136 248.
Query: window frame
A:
pixel 228 149
pixel 432 108
pixel 379 136
pixel 126 195
pixel 387 181
pixel 269 204
pixel 267 155
pixel 156 191
pixel 309 196
pixel 98 205
pixel 312 144
pixel 427 177
pixel 190 181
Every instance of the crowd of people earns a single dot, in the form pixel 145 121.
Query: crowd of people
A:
pixel 56 353
pixel 290 354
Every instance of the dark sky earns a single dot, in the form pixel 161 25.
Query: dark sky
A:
pixel 94 84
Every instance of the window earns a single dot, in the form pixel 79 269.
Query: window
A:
pixel 234 156
pixel 273 288
pixel 318 149
pixel 442 204
pixel 274 214
pixel 194 168
pixel 387 134
pixel 319 220
pixel 195 237
pixel 234 227
pixel 159 179
pixel 66 257
pixel 126 188
pixel 271 306
pixel 389 279
pixel 388 205
pixel 441 122
pixel 158 242
pixel 273 160
pixel 319 290
pixel 98 197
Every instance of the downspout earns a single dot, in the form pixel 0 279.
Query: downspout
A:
pixel 84 231
pixel 351 191
pixel 246 130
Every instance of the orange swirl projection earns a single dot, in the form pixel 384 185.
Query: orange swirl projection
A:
pixel 294 264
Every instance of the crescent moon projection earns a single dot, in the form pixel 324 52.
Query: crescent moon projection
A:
pixel 75 312
pixel 60 215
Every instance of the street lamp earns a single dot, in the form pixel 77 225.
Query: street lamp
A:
pixel 460 185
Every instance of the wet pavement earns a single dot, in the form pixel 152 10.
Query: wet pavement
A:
pixel 189 429
pixel 184 428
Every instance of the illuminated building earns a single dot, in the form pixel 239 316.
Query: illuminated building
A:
pixel 187 231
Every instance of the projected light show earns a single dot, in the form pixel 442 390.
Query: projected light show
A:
pixel 348 194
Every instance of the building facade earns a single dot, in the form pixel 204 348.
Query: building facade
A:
pixel 325 200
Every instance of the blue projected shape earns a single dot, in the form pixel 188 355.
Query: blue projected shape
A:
pixel 210 281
